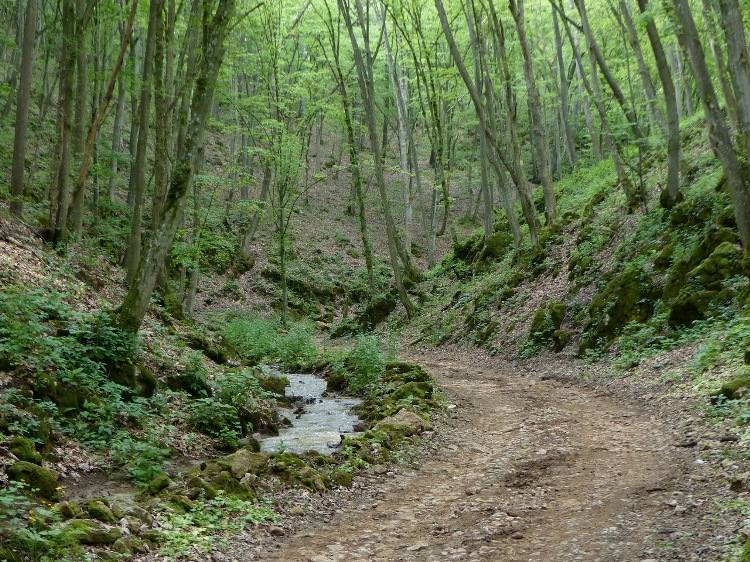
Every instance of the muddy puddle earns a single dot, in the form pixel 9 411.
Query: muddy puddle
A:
pixel 318 420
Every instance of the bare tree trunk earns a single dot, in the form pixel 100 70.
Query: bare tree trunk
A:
pixel 116 139
pixel 538 136
pixel 672 192
pixel 648 85
pixel 718 131
pixel 144 113
pixel 367 88
pixel 739 66
pixel 214 30
pixel 17 186
pixel 709 15
pixel 564 94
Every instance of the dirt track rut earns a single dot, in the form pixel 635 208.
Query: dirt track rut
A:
pixel 530 470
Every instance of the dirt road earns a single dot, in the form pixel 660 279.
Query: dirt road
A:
pixel 530 470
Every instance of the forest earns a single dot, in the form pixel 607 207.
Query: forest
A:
pixel 374 279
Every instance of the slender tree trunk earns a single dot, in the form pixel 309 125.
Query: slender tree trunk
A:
pixel 116 139
pixel 714 41
pixel 17 186
pixel 718 131
pixel 214 31
pixel 564 94
pixel 363 63
pixel 538 136
pixel 739 66
pixel 648 85
pixel 144 113
pixel 672 192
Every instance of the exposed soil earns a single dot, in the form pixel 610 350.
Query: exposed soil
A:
pixel 530 469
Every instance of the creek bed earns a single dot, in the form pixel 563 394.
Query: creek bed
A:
pixel 318 420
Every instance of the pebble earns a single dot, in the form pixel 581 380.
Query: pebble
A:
pixel 297 511
pixel 277 531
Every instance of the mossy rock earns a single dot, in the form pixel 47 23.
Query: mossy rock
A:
pixel 560 339
pixel 92 533
pixel 579 264
pixel 161 482
pixel 722 263
pixel 336 382
pixel 68 399
pixel 191 383
pixel 226 481
pixel 101 511
pixel 628 297
pixel 247 461
pixel 69 509
pixel 403 424
pixel 547 320
pixel 173 306
pixel 346 327
pixel 689 306
pixel 692 212
pixel 274 384
pixel 663 259
pixel 210 349
pixel 737 388
pixel 208 491
pixel 485 333
pixel 377 310
pixel 405 372
pixel 420 390
pixel 342 478
pixel 25 450
pixel 467 250
pixel 676 280
pixel 39 480
pixel 242 264
pixel 497 246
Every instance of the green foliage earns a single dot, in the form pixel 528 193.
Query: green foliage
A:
pixel 260 339
pixel 216 419
pixel 14 503
pixel 363 365
pixel 198 529
pixel 242 390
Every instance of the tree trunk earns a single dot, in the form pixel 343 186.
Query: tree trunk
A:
pixel 739 66
pixel 718 131
pixel 17 186
pixel 144 113
pixel 673 119
pixel 538 136
pixel 214 31
pixel 709 13
pixel 116 139
pixel 648 85
pixel 564 94
pixel 363 62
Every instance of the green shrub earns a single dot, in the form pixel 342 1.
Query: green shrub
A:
pixel 252 338
pixel 216 419
pixel 297 349
pixel 364 364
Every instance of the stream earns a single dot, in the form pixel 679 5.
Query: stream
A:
pixel 318 421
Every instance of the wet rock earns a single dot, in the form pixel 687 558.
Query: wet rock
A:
pixel 37 478
pixel 274 384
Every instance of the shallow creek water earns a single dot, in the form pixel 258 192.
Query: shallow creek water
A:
pixel 318 421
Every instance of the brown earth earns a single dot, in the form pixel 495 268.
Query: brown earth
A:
pixel 529 469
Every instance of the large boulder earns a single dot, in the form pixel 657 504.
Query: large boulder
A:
pixel 92 532
pixel 628 297
pixel 403 423
pixel 41 481
pixel 247 461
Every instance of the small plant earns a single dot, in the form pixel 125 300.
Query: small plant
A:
pixel 364 364
pixel 198 528
pixel 216 419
